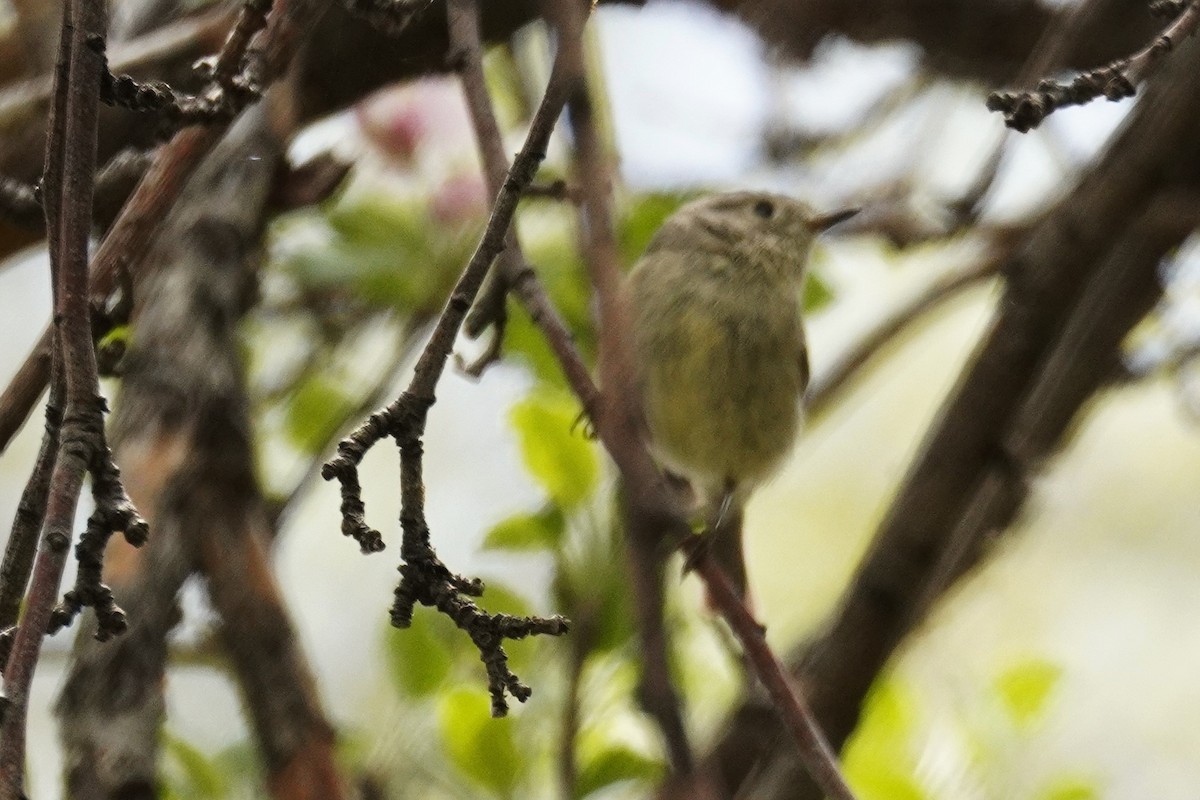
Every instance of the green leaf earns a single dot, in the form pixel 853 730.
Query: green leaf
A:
pixel 641 220
pixel 1071 788
pixel 315 411
pixel 524 340
pixel 886 783
pixel 189 772
pixel 878 762
pixel 539 531
pixel 418 657
pixel 616 764
pixel 482 748
pixel 555 450
pixel 1026 687
pixel 817 293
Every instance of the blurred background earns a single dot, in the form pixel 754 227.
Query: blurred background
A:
pixel 1062 667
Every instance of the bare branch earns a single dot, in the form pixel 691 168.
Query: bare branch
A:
pixel 815 753
pixel 123 250
pixel 70 162
pixel 424 579
pixel 1024 111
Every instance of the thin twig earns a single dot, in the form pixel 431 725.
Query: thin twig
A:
pixel 424 578
pixel 123 250
pixel 31 512
pixel 647 504
pixel 21 205
pixel 251 19
pixel 233 82
pixel 516 274
pixel 466 49
pixel 1117 80
pixel 815 753
pixel 70 162
pixel 1049 52
pixel 23 100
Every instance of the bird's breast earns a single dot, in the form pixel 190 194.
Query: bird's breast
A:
pixel 721 377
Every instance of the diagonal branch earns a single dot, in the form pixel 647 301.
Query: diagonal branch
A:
pixel 424 578
pixel 1024 111
pixel 654 523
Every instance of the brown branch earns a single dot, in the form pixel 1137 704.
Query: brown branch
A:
pixel 123 250
pixel 1117 80
pixel 424 579
pixel 184 434
pixel 647 502
pixel 815 753
pixel 466 49
pixel 70 163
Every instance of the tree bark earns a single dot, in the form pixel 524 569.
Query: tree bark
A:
pixel 185 446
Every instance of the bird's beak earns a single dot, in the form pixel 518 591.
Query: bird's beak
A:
pixel 826 221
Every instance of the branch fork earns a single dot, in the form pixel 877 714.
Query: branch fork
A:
pixel 424 579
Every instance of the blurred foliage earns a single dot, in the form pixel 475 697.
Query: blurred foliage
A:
pixel 885 758
pixel 378 250
pixel 566 465
pixel 189 774
pixel 317 410
pixel 1070 788
pixel 878 760
pixel 1025 688
pixel 482 748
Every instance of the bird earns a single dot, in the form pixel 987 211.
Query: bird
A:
pixel 719 351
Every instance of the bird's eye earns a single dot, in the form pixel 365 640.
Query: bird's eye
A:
pixel 764 209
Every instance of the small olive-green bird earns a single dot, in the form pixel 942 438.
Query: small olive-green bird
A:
pixel 719 348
